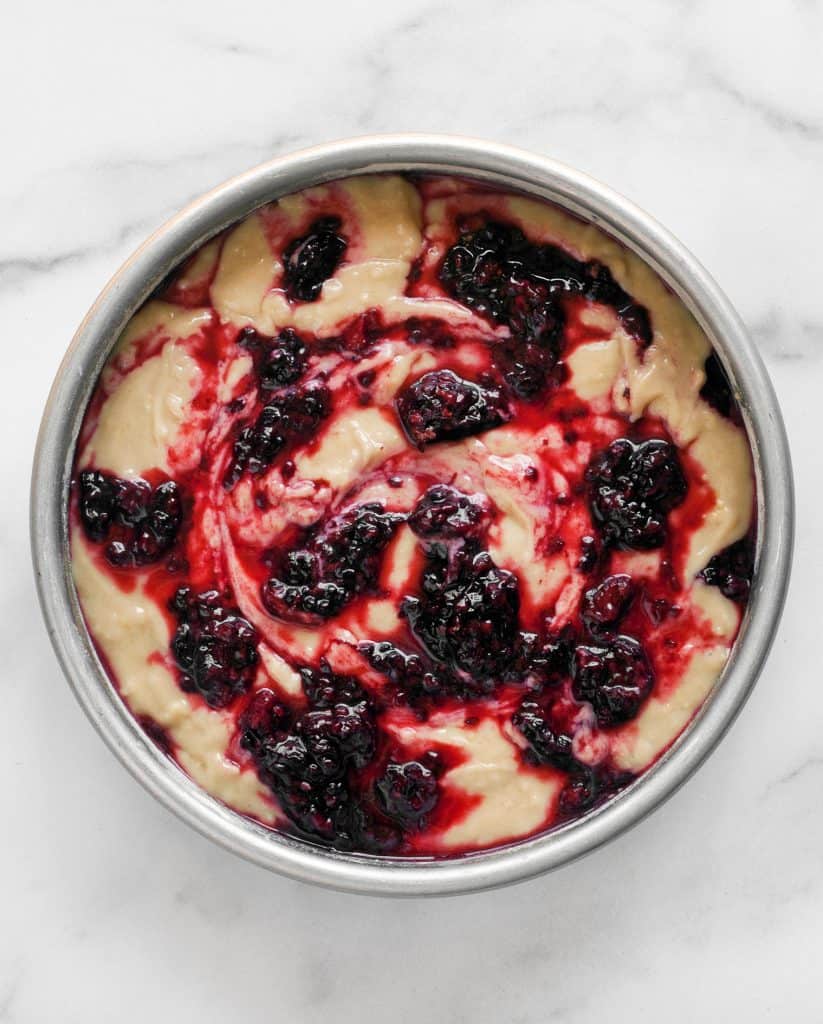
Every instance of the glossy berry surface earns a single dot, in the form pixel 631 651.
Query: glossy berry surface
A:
pixel 408 792
pixel 603 606
pixel 467 614
pixel 290 416
pixel 588 787
pixel 539 658
pixel 263 716
pixel 731 570
pixel 548 733
pixel 278 361
pixel 311 259
pixel 441 406
pixel 446 513
pixel 632 488
pixel 615 678
pixel 214 646
pixel 335 563
pixel 310 759
pixel 140 522
pixel 494 269
pixel 416 679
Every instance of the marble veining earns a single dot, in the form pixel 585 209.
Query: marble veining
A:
pixel 708 115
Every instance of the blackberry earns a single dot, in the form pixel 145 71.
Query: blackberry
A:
pixel 140 523
pixel 539 661
pixel 440 406
pixel 604 606
pixel 408 792
pixel 467 614
pixel 548 733
pixel 263 717
pixel 417 679
pixel 495 270
pixel 278 361
pixel 290 416
pixel 632 488
pixel 731 570
pixel 308 261
pixel 308 760
pixel 215 648
pixel 335 563
pixel 615 678
pixel 445 513
pixel 324 688
pixel 588 787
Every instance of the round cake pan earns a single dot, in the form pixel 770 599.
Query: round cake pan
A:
pixel 514 170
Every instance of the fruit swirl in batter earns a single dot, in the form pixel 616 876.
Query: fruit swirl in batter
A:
pixel 413 517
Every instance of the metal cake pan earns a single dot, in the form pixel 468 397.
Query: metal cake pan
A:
pixel 72 388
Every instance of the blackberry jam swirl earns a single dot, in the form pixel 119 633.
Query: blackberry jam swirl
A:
pixel 412 517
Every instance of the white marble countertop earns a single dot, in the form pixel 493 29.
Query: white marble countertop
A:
pixel 710 116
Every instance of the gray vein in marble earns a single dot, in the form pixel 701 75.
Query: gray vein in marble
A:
pixel 780 120
pixel 380 61
pixel 16 271
pixel 787 341
pixel 320 982
pixel 225 47
pixel 378 68
pixel 811 764
pixel 274 145
pixel 619 108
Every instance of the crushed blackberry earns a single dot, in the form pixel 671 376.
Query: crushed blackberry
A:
pixel 290 416
pixel 717 390
pixel 140 522
pixel 731 570
pixel 215 648
pixel 603 606
pixel 263 716
pixel 540 661
pixel 324 688
pixel 440 406
pixel 467 614
pixel 615 678
pixel 632 488
pixel 446 513
pixel 588 787
pixel 529 359
pixel 549 733
pixel 308 261
pixel 278 361
pixel 496 271
pixel 428 331
pixel 408 792
pixel 335 563
pixel 402 668
pixel 579 794
pixel 419 681
pixel 309 759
